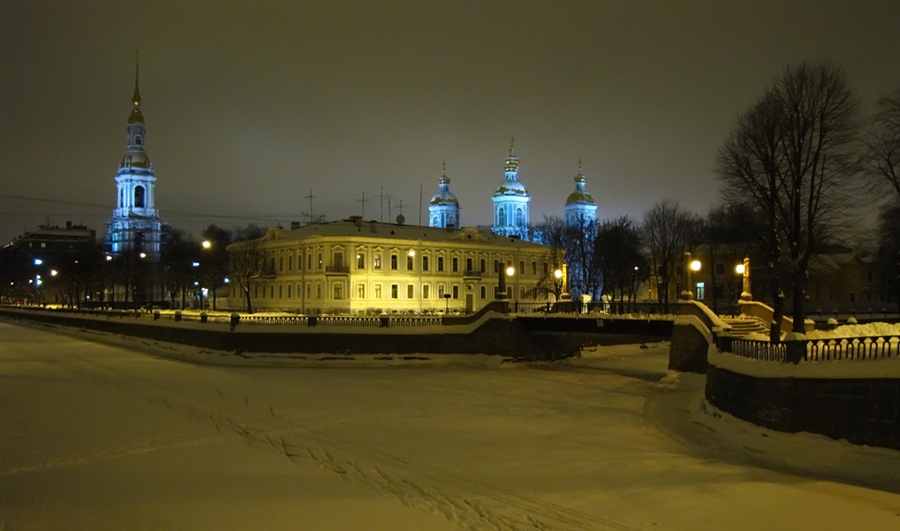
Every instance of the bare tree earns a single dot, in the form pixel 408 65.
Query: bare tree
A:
pixel 582 258
pixel 618 247
pixel 248 261
pixel 555 235
pixel 791 158
pixel 667 232
pixel 881 158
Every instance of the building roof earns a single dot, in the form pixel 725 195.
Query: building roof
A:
pixel 356 227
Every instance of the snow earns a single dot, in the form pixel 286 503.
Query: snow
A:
pixel 107 432
pixel 848 330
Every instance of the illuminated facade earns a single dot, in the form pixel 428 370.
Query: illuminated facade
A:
pixel 511 201
pixel 135 225
pixel 357 267
pixel 443 210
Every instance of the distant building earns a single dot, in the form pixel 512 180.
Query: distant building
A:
pixel 358 267
pixel 135 225
pixel 29 261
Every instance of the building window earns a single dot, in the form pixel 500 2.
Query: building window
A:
pixel 308 261
pixel 701 291
pixel 533 267
pixel 377 261
pixel 338 261
pixel 520 217
pixel 424 263
pixel 308 290
pixel 290 263
pixel 501 216
pixel 377 291
pixel 425 290
pixel 338 291
pixel 409 263
pixel 394 291
pixel 496 266
pixel 410 291
pixel 280 291
pixel 394 262
pixel 440 291
pixel 360 291
pixel 360 260
pixel 483 292
pixel 319 261
pixel 455 292
pixel 483 266
pixel 318 290
pixel 440 263
pixel 139 196
pixel 521 270
pixel 281 263
pixel 455 264
pixel 272 292
pixel 521 292
pixel 469 264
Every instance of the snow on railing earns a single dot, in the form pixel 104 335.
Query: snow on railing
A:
pixel 823 349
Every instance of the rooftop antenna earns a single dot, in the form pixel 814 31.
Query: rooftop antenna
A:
pixel 420 203
pixel 381 202
pixel 312 218
pixel 389 207
pixel 363 201
pixel 401 207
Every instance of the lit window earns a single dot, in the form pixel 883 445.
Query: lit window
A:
pixel 377 261
pixel 409 263
pixel 361 260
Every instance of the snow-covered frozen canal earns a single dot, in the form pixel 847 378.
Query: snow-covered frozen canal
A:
pixel 116 435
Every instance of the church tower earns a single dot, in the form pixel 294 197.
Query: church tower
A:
pixel 511 201
pixel 581 208
pixel 444 208
pixel 135 225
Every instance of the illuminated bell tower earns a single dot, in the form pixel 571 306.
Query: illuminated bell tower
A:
pixel 511 201
pixel 443 210
pixel 135 225
pixel 581 209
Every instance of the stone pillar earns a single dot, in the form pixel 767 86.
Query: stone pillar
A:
pixel 746 294
pixel 565 296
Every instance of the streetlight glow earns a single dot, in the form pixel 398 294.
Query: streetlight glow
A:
pixel 143 255
pixel 206 244
pixel 38 261
pixel 510 271
pixel 557 274
pixel 53 272
pixel 412 252
pixel 695 265
pixel 108 258
pixel 739 269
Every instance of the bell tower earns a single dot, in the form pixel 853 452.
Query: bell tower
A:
pixel 135 225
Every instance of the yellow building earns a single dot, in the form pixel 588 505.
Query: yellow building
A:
pixel 358 267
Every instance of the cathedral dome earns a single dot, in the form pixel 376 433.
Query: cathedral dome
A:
pixel 579 196
pixel 135 159
pixel 511 187
pixel 136 117
pixel 444 195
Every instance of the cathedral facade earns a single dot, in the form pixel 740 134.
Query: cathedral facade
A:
pixel 135 226
pixel 511 203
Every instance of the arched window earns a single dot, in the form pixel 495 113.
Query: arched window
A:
pixel 138 140
pixel 501 216
pixel 434 221
pixel 520 217
pixel 139 197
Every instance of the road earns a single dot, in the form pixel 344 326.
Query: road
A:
pixel 99 432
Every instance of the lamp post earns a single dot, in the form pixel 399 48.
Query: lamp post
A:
pixel 565 283
pixel 690 266
pixel 510 272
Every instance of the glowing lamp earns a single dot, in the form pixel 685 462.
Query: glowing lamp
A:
pixel 695 265
pixel 510 271
pixel 739 269
pixel 557 274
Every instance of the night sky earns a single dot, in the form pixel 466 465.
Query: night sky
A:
pixel 249 105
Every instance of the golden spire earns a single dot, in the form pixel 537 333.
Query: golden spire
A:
pixel 136 99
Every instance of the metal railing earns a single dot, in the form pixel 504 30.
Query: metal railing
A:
pixel 824 349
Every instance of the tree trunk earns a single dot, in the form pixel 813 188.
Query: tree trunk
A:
pixel 798 279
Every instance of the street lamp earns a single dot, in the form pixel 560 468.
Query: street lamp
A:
pixel 206 244
pixel 558 286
